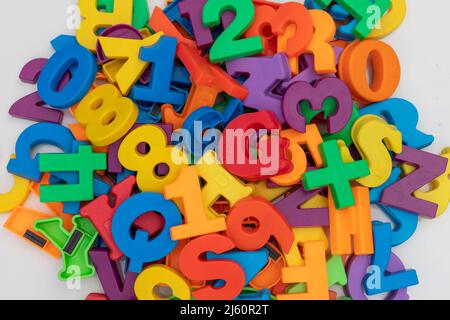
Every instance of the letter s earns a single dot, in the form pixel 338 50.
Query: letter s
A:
pixel 196 267
pixel 373 138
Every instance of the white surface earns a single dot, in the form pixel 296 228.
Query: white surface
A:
pixel 422 44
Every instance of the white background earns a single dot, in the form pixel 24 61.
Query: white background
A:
pixel 422 44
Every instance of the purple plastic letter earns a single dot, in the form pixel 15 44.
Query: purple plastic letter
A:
pixel 429 167
pixel 108 272
pixel 357 271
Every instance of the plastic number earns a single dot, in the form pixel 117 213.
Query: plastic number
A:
pixel 312 139
pixel 227 47
pixel 145 164
pixel 161 55
pixel 69 56
pixel 107 115
pixel 40 133
pixel 31 107
pixel 303 91
pixel 386 70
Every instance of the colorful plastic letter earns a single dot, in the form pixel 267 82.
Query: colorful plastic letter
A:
pixel 140 249
pixel 94 19
pixel 74 246
pixel 320 47
pixel 380 260
pixel 40 133
pixel 290 208
pixel 219 183
pixel 374 138
pixel 403 115
pixel 195 267
pixel 101 212
pixel 303 235
pixel 429 167
pixel 440 187
pixel 160 274
pixel 405 223
pixel 352 224
pixel 313 273
pixel 110 276
pixel 357 268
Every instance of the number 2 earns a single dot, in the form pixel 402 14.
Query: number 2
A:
pixel 227 46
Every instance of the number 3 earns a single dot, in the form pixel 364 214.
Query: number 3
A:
pixel 227 47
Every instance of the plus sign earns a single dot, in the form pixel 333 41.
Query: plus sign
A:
pixel 336 174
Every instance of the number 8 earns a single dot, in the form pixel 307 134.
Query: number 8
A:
pixel 145 164
pixel 107 115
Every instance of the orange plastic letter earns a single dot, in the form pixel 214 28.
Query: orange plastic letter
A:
pixel 313 273
pixel 353 221
pixel 320 47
